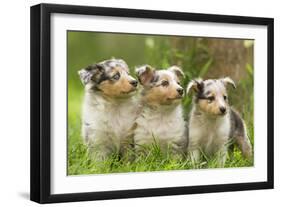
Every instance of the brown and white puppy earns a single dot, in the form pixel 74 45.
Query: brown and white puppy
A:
pixel 161 118
pixel 109 108
pixel 213 123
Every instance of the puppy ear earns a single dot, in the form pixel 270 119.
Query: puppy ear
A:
pixel 123 64
pixel 92 72
pixel 197 85
pixel 227 81
pixel 85 76
pixel 177 71
pixel 145 74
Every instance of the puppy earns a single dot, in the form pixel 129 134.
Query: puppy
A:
pixel 213 124
pixel 161 117
pixel 109 108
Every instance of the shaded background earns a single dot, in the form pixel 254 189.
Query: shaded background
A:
pixel 198 57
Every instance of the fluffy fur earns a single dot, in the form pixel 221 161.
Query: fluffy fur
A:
pixel 213 124
pixel 109 108
pixel 161 118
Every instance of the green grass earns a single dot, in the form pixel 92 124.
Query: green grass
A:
pixel 79 161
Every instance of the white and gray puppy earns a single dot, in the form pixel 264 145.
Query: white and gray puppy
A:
pixel 213 124
pixel 109 108
pixel 161 118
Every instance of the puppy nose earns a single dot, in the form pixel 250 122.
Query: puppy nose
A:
pixel 134 83
pixel 222 109
pixel 180 91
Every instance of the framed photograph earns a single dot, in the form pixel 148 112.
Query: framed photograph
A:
pixel 132 103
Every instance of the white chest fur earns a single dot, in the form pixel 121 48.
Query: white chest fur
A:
pixel 164 125
pixel 107 120
pixel 208 133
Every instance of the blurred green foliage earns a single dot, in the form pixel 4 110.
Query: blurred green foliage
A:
pixel 190 53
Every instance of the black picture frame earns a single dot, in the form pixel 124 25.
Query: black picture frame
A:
pixel 41 99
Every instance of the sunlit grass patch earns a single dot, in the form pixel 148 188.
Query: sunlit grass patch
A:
pixel 80 162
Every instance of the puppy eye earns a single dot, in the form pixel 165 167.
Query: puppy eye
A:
pixel 210 99
pixel 116 76
pixel 225 97
pixel 165 83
